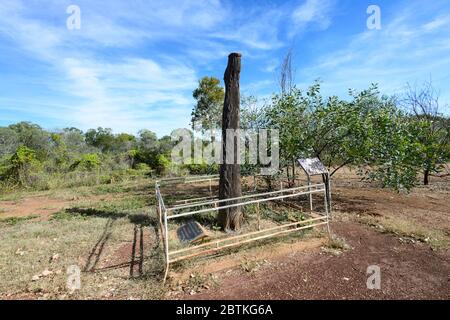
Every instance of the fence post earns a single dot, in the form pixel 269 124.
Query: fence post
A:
pixel 259 216
pixel 166 246
pixel 310 194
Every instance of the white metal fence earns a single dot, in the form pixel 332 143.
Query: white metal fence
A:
pixel 191 207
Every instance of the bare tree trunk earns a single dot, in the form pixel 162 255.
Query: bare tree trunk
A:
pixel 230 173
pixel 288 173
pixel 426 177
pixel 293 172
pixel 326 181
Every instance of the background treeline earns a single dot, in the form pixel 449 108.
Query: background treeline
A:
pixel 392 140
pixel 32 157
pixel 396 141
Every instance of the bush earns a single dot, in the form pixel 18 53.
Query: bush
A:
pixel 162 165
pixel 202 169
pixel 88 162
pixel 21 168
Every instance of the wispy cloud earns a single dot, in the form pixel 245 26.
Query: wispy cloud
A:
pixel 406 49
pixel 313 12
pixel 134 64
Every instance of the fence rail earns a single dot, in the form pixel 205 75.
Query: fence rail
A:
pixel 170 213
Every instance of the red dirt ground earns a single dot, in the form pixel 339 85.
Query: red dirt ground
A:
pixel 41 206
pixel 408 271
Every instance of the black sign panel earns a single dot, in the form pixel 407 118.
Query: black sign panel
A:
pixel 191 232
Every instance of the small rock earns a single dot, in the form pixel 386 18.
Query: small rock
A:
pixel 55 257
pixel 35 278
pixel 46 273
pixel 346 279
pixel 192 292
pixel 20 252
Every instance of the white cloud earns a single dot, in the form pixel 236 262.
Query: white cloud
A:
pixel 316 12
pixel 437 23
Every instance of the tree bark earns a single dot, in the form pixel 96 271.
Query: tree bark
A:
pixel 230 174
pixel 426 177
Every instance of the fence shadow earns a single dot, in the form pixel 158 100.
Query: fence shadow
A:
pixel 137 254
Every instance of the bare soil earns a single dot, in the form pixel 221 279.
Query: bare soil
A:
pixel 40 206
pixel 408 271
pixel 43 207
pixel 382 228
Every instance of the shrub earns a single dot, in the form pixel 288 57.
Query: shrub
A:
pixel 88 162
pixel 162 165
pixel 20 169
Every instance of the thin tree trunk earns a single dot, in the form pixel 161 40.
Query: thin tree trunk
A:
pixel 230 175
pixel 293 172
pixel 326 181
pixel 426 177
pixel 288 173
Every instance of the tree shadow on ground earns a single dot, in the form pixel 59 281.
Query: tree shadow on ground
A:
pixel 137 255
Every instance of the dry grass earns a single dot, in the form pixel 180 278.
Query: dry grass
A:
pixel 251 266
pixel 27 245
pixel 335 246
pixel 407 229
pixel 91 233
pixel 92 225
pixel 27 249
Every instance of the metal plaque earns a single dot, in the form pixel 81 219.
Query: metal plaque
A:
pixel 191 232
pixel 312 166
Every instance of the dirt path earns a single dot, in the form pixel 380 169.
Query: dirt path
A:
pixel 39 206
pixel 43 207
pixel 408 271
pixel 421 207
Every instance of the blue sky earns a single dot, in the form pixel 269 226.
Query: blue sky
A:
pixel 134 64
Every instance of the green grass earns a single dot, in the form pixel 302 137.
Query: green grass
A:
pixel 16 196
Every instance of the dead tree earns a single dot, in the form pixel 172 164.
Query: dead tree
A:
pixel 230 174
pixel 286 81
pixel 286 76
